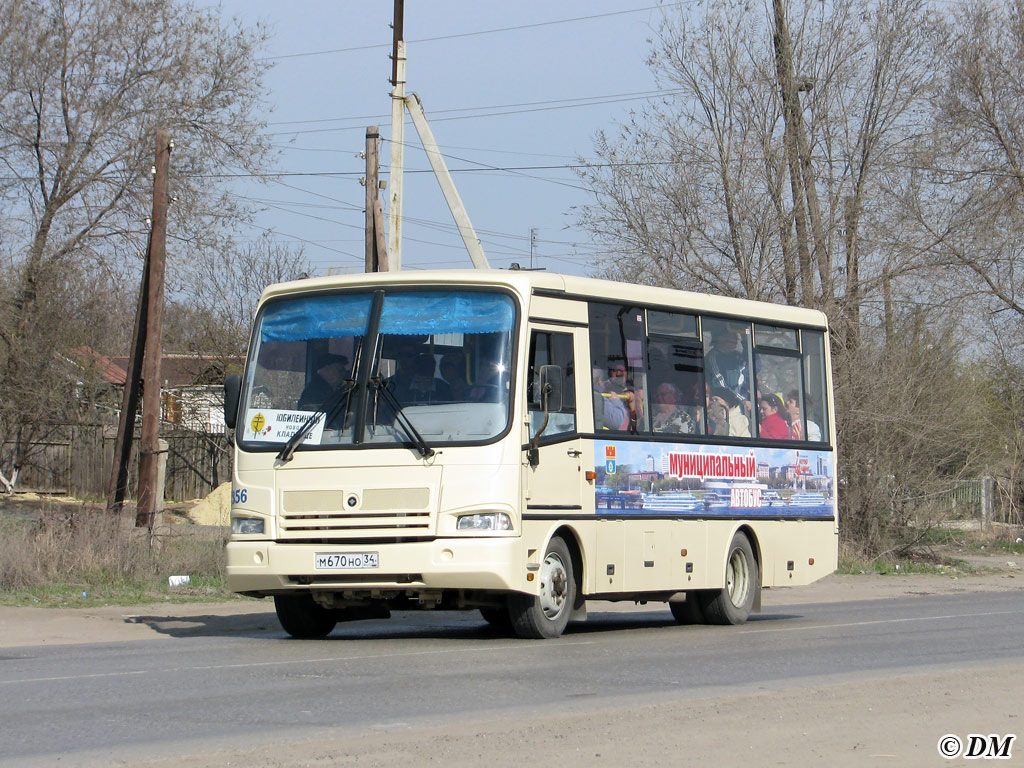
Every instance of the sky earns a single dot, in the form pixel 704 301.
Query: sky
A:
pixel 522 86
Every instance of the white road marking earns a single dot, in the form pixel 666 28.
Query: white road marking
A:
pixel 874 621
pixel 255 664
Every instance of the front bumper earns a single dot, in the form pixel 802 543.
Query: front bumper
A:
pixel 492 563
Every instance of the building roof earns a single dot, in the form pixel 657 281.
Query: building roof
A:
pixel 176 370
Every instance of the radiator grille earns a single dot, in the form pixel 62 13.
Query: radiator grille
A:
pixel 381 513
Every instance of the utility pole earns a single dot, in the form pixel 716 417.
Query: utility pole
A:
pixel 149 447
pixel 533 243
pixel 397 138
pixel 376 245
pixel 399 103
pixel 117 488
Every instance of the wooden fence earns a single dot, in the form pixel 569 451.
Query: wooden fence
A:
pixel 76 462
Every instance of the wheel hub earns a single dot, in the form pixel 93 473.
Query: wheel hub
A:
pixel 554 586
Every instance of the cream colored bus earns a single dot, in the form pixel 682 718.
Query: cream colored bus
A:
pixel 521 443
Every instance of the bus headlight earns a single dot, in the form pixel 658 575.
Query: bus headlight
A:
pixel 485 521
pixel 247 525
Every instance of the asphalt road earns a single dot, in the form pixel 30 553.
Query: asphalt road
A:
pixel 210 685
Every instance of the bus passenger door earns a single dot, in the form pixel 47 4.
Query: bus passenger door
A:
pixel 553 475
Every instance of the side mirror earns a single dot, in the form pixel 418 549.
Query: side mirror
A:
pixel 551 388
pixel 232 391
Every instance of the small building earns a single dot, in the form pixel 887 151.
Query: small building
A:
pixel 192 394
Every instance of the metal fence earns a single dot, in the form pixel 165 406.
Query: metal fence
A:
pixel 986 499
pixel 76 461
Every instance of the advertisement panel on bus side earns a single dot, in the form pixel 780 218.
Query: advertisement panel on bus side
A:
pixel 712 480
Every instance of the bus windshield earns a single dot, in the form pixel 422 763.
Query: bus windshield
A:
pixel 367 364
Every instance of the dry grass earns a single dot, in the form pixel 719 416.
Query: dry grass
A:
pixel 72 549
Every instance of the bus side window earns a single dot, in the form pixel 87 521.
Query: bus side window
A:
pixel 779 383
pixel 547 348
pixel 676 381
pixel 618 353
pixel 814 383
pixel 727 375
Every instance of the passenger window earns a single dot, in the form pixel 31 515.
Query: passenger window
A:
pixel 618 368
pixel 779 393
pixel 675 373
pixel 815 393
pixel 548 348
pixel 727 376
pixel 671 324
pixel 775 336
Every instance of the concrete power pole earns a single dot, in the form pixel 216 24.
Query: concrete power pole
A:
pixel 149 448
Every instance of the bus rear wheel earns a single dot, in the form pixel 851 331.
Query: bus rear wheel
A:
pixel 301 617
pixel 734 603
pixel 546 614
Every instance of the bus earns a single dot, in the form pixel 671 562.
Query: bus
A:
pixel 525 443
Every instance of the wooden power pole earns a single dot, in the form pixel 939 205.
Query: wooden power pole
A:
pixel 149 447
pixel 117 487
pixel 376 239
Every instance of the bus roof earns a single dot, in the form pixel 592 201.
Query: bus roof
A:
pixel 551 283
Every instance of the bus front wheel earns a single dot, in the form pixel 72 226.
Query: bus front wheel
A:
pixel 733 604
pixel 498 618
pixel 547 614
pixel 688 611
pixel 301 617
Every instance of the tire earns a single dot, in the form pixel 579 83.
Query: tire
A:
pixel 547 614
pixel 498 618
pixel 301 617
pixel 734 603
pixel 688 611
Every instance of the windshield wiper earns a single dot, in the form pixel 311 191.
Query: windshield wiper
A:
pixel 388 397
pixel 330 409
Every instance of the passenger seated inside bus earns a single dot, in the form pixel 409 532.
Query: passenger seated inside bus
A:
pixel 726 359
pixel 453 371
pixel 329 376
pixel 416 383
pixel 618 386
pixel 610 412
pixel 793 406
pixel 725 414
pixel 669 414
pixel 773 415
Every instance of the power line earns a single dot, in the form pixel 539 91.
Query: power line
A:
pixel 457 35
pixel 487 166
pixel 271 176
pixel 599 99
pixel 437 226
pixel 560 104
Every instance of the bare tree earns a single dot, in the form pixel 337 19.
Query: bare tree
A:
pixel 768 164
pixel 83 85
pixel 219 302
pixel 778 169
pixel 682 189
pixel 970 189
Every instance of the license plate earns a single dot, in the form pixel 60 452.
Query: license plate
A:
pixel 344 560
